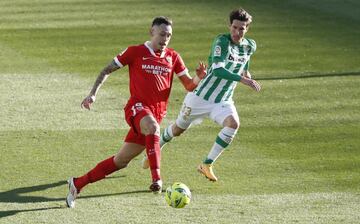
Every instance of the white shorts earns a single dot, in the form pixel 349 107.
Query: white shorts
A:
pixel 196 108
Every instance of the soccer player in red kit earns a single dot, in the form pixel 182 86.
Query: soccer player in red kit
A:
pixel 151 69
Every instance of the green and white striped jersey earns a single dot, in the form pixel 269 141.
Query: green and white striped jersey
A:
pixel 233 57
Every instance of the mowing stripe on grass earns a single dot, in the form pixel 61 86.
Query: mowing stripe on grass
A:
pixel 337 207
pixel 52 102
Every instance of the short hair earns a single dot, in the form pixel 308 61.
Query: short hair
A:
pixel 161 20
pixel 240 14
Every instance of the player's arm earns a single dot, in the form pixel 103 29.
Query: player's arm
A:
pixel 251 83
pixel 220 71
pixel 246 74
pixel 104 74
pixel 191 83
pixel 219 52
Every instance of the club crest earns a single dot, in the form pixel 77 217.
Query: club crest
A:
pixel 169 59
pixel 217 51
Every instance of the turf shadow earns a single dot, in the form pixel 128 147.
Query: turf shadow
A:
pixel 312 75
pixel 14 212
pixel 15 196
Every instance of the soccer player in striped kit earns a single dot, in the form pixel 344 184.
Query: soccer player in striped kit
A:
pixel 228 65
pixel 151 70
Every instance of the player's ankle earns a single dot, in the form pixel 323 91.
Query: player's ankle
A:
pixel 208 161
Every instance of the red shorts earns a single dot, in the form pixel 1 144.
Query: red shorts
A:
pixel 134 112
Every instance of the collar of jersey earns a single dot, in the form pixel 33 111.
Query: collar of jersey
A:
pixel 148 46
pixel 242 42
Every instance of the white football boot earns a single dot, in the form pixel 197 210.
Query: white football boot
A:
pixel 72 195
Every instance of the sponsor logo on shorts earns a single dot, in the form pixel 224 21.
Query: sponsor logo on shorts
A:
pixel 137 108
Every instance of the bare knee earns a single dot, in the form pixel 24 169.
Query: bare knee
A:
pixel 152 128
pixel 121 162
pixel 235 125
pixel 232 122
pixel 149 126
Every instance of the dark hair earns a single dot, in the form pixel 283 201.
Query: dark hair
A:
pixel 161 20
pixel 240 14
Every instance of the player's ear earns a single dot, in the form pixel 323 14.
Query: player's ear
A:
pixel 152 31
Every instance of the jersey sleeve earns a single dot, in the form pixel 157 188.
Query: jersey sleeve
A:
pixel 252 45
pixel 219 49
pixel 125 57
pixel 247 65
pixel 179 66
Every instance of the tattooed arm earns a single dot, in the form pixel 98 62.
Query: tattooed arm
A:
pixel 104 74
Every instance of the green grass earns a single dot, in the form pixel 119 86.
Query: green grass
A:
pixel 295 159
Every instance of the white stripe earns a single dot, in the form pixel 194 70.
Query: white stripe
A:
pixel 217 90
pixel 147 45
pixel 218 65
pixel 118 62
pixel 185 72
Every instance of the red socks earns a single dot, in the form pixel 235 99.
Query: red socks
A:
pixel 101 170
pixel 152 144
pixel 106 167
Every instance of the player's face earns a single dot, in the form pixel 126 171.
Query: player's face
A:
pixel 237 30
pixel 160 36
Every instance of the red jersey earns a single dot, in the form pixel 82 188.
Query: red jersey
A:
pixel 151 75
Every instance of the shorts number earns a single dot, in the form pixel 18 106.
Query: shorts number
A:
pixel 186 111
pixel 136 108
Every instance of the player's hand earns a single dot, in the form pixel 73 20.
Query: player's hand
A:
pixel 246 74
pixel 86 103
pixel 251 82
pixel 201 70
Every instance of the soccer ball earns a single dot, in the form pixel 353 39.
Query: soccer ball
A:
pixel 178 195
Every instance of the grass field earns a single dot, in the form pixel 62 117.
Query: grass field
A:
pixel 296 158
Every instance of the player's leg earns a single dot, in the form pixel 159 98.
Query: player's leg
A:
pixel 166 136
pixel 224 138
pixel 127 152
pixel 229 119
pixel 151 129
pixel 191 110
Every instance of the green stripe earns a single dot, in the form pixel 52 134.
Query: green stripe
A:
pixel 246 67
pixel 164 134
pixel 229 94
pixel 204 84
pixel 228 65
pixel 221 142
pixel 237 68
pixel 212 88
pixel 223 91
pixel 208 161
pixel 241 49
